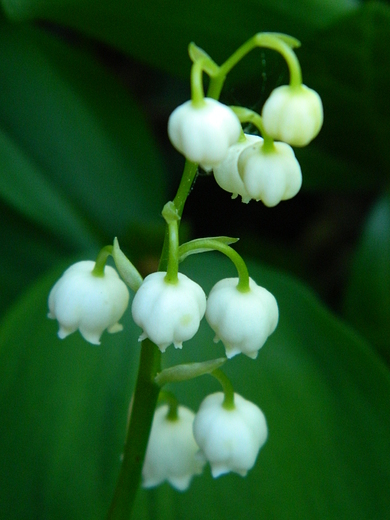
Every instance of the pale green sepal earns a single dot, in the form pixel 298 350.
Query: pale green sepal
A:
pixel 126 269
pixel 202 245
pixel 208 64
pixel 170 212
pixel 286 38
pixel 187 371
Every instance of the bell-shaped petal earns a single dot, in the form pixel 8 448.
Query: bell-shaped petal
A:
pixel 171 451
pixel 229 439
pixel 81 300
pixel 203 133
pixel 226 173
pixel 270 175
pixel 168 313
pixel 242 320
pixel 293 115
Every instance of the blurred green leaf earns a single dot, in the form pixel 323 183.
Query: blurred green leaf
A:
pixel 348 64
pixel 75 138
pixel 25 188
pixel 63 413
pixel 323 390
pixel 158 33
pixel 367 299
pixel 325 395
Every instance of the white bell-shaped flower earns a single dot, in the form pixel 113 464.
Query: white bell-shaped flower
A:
pixel 270 175
pixel 242 320
pixel 81 300
pixel 229 439
pixel 226 173
pixel 204 133
pixel 168 313
pixel 171 450
pixel 293 114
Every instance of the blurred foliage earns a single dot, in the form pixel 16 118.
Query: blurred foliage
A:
pixel 84 99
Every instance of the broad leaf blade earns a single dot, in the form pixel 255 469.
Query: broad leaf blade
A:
pixel 159 32
pixel 367 299
pixel 324 393
pixel 63 407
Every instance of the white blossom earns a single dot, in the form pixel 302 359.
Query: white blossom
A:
pixel 270 175
pixel 168 313
pixel 226 173
pixel 203 133
pixel 229 439
pixel 81 300
pixel 242 320
pixel 171 450
pixel 293 114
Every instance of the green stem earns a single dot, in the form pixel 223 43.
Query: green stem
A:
pixel 245 115
pixel 143 406
pixel 197 93
pixel 172 403
pixel 173 255
pixel 101 260
pixel 227 387
pixel 208 244
pixel 267 40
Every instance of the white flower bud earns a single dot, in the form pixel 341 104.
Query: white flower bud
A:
pixel 229 439
pixel 226 173
pixel 168 313
pixel 242 320
pixel 293 115
pixel 204 133
pixel 271 175
pixel 171 450
pixel 81 300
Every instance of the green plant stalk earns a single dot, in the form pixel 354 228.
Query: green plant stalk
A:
pixel 141 417
pixel 101 260
pixel 227 387
pixel 275 42
pixel 208 244
pixel 146 391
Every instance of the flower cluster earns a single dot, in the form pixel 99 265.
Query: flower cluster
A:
pixel 228 438
pixel 227 431
pixel 247 165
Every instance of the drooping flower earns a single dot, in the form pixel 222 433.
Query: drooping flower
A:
pixel 171 450
pixel 242 320
pixel 226 173
pixel 81 300
pixel 203 133
pixel 229 439
pixel 293 115
pixel 270 175
pixel 168 313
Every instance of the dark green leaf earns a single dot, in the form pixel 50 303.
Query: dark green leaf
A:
pixel 367 300
pixel 63 413
pixel 348 65
pixel 159 32
pixel 325 397
pixel 323 390
pixel 74 137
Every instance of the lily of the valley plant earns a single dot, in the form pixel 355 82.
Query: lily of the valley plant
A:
pixel 167 441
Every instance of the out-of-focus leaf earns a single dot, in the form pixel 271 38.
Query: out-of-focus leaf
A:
pixel 367 299
pixel 25 188
pixel 26 254
pixel 76 135
pixel 63 413
pixel 325 395
pixel 159 32
pixel 348 64
pixel 323 390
